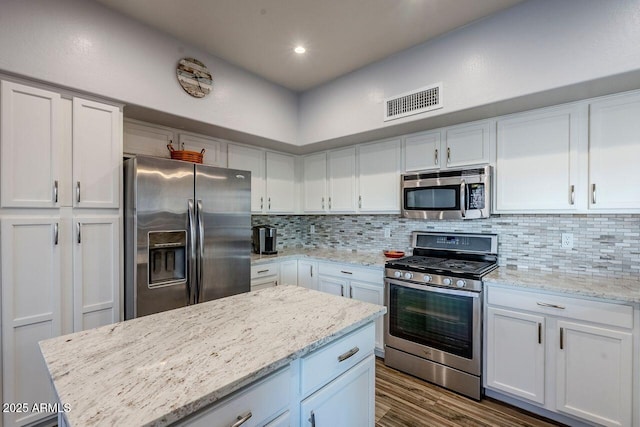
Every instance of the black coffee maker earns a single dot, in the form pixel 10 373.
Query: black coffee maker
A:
pixel 264 239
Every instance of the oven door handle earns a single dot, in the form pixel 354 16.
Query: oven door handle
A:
pixel 429 288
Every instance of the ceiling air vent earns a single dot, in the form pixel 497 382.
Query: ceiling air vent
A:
pixel 418 101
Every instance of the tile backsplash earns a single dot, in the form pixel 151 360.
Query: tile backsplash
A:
pixel 604 245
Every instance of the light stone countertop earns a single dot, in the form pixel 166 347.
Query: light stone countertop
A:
pixel 365 259
pixel 157 369
pixel 610 288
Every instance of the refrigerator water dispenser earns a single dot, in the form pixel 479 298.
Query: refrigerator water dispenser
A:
pixel 167 258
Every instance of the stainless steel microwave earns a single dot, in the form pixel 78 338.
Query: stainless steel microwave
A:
pixel 448 194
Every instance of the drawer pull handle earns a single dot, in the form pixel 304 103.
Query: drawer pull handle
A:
pixel 242 419
pixel 345 272
pixel 544 304
pixel 348 354
pixel 263 271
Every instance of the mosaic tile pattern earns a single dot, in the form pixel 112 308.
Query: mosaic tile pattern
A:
pixel 604 245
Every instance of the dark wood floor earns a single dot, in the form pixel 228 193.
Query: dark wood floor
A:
pixel 405 401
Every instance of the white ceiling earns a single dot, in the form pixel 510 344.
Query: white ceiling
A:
pixel 339 35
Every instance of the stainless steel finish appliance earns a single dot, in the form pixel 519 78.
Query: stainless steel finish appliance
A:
pixel 265 239
pixel 433 325
pixel 187 234
pixel 449 194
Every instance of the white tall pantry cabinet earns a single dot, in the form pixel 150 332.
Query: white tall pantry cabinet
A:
pixel 60 213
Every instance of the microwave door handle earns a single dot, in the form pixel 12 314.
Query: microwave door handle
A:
pixel 463 198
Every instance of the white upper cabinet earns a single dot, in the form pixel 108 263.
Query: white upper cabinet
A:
pixel 466 144
pixel 97 154
pixel 148 140
pixel 30 137
pixel 342 180
pixel 272 178
pixel 537 161
pixel 213 148
pixel 422 151
pixel 280 183
pixel 379 177
pixel 251 159
pixel 315 183
pixel 614 153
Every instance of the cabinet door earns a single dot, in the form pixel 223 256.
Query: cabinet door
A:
pixel 422 151
pixel 30 143
pixel 467 144
pixel 97 154
pixel 315 182
pixel 614 153
pixel 148 140
pixel 346 401
pixel 342 180
pixel 31 310
pixel 250 159
pixel 515 353
pixel 308 274
pixel 96 271
pixel 379 177
pixel 374 294
pixel 213 149
pixel 595 373
pixel 332 285
pixel 537 161
pixel 289 272
pixel 280 183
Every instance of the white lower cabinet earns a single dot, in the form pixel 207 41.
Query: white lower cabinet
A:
pixel 580 351
pixel 308 274
pixel 331 386
pixel 289 272
pixel 362 284
pixel 346 401
pixel 258 405
pixel 265 275
pixel 31 311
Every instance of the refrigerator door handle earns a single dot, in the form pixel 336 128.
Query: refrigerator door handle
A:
pixel 199 210
pixel 192 251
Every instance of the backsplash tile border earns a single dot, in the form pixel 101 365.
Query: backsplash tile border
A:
pixel 604 245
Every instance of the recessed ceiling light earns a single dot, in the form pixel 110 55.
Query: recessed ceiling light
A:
pixel 299 49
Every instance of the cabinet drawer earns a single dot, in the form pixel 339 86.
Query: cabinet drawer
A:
pixel 349 271
pixel 620 315
pixel 264 401
pixel 264 270
pixel 327 363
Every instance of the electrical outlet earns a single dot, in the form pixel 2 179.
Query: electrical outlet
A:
pixel 312 229
pixel 567 240
pixel 387 232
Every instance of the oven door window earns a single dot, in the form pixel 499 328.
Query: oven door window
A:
pixel 438 320
pixel 440 198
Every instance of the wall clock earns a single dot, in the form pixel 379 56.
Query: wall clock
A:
pixel 194 77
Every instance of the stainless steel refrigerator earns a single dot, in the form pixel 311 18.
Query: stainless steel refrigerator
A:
pixel 187 234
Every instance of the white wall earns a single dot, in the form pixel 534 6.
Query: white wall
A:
pixel 82 45
pixel 535 46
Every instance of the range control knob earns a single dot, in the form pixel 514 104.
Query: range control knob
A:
pixel 397 274
pixel 446 281
pixel 461 283
pixel 408 275
pixel 426 278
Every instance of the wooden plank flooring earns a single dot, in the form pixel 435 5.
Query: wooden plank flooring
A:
pixel 405 401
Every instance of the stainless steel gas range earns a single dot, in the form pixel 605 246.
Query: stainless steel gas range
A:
pixel 433 326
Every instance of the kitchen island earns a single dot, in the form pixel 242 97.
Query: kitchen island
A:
pixel 161 369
